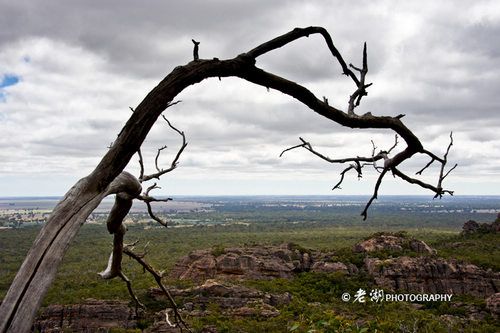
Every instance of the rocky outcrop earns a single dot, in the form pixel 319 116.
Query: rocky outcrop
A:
pixel 432 275
pixel 229 299
pixel 324 265
pixel 90 316
pixel 493 305
pixel 472 227
pixel 100 317
pixel 263 262
pixel 392 242
pixel 424 274
pixel 256 263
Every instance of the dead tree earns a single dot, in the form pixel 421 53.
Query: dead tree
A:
pixel 38 270
pixel 114 223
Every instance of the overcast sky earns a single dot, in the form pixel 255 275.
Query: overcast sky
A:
pixel 69 70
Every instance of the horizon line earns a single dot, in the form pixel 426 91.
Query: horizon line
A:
pixel 266 195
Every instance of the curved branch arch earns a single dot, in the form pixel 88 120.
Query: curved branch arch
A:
pixel 38 270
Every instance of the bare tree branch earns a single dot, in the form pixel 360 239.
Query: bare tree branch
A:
pixel 149 189
pixel 388 165
pixel 438 190
pixel 432 155
pixel 425 167
pixel 147 198
pixel 297 33
pixel 141 164
pixel 183 146
pixel 304 144
pixel 160 172
pixel 157 276
pixel 374 148
pixel 420 183
pixel 153 216
pixel 309 147
pixel 443 164
pixel 395 144
pixel 356 165
pixel 446 175
pixel 342 174
pixel 156 158
pixel 375 194
pixel 138 303
pixel 355 98
pixel 433 158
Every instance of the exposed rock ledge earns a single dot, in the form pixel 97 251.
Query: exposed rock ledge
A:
pixel 423 274
pixel 493 305
pixel 433 275
pixel 101 316
pixel 388 242
pixel 262 262
pixel 233 300
pixel 90 316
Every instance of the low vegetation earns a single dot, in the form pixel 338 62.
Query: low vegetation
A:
pixel 316 304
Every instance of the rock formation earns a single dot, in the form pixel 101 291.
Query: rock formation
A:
pixel 324 264
pixel 393 242
pixel 432 275
pixel 90 316
pixel 255 263
pixel 472 227
pixel 493 305
pixel 250 263
pixel 230 299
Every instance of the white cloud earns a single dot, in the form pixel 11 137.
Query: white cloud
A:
pixel 64 111
pixel 434 62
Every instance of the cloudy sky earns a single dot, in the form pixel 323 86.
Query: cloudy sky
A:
pixel 69 70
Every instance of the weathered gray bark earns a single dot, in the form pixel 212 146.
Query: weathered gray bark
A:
pixel 40 266
pixel 36 274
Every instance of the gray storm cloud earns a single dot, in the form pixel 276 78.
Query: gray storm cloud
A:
pixel 81 64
